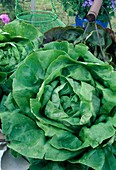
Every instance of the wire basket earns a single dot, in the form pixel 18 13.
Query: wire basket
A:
pixel 42 19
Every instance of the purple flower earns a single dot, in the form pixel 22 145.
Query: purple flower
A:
pixel 5 18
pixel 90 2
pixel 87 3
pixel 113 4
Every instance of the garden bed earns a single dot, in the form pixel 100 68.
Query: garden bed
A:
pixel 57 97
pixel 58 102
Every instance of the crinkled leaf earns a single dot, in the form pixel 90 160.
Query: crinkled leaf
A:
pixel 97 133
pixel 68 33
pixel 93 158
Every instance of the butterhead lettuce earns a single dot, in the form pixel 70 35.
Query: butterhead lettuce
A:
pixel 61 113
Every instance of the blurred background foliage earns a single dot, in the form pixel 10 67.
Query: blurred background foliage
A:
pixel 8 7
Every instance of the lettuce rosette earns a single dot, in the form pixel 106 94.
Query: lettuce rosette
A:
pixel 61 113
pixel 17 40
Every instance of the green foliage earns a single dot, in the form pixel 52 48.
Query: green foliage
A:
pixel 8 6
pixel 17 40
pixel 75 35
pixel 74 7
pixel 61 112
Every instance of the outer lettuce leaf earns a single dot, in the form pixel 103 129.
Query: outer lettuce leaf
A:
pixel 22 29
pixel 110 160
pixel 48 165
pixel 93 158
pixel 97 133
pixel 98 159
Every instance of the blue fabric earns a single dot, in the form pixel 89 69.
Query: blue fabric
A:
pixel 82 22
